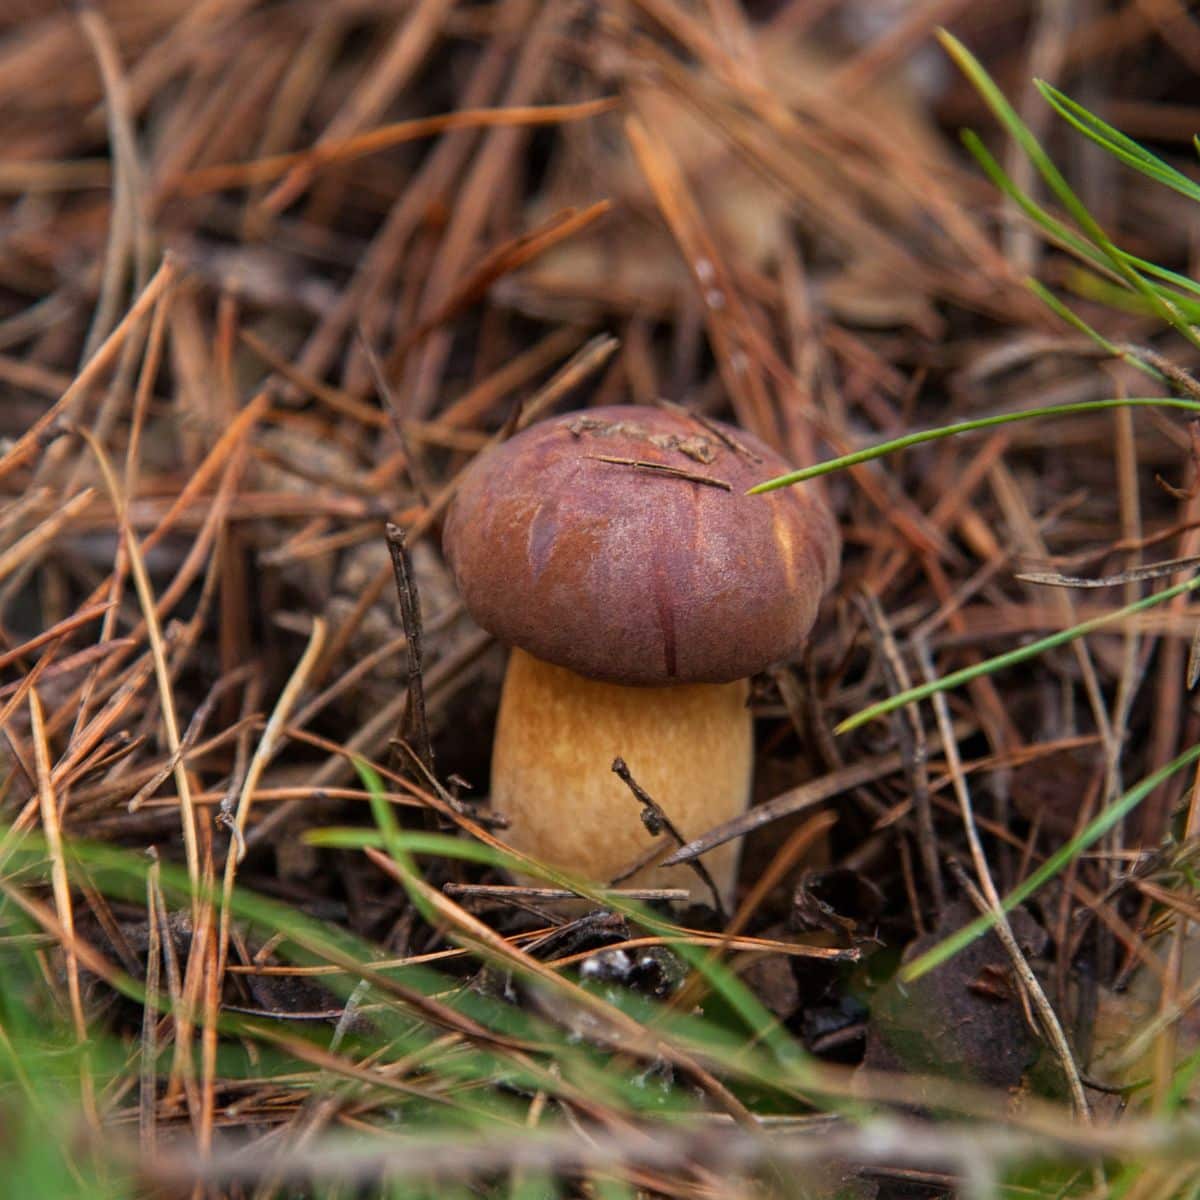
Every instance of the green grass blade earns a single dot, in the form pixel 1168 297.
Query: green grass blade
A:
pixel 1072 318
pixel 775 1061
pixel 1056 306
pixel 1093 286
pixel 1050 225
pixel 306 941
pixel 1012 657
pixel 1096 829
pixel 1182 1080
pixel 1075 208
pixel 723 982
pixel 1004 112
pixel 1182 283
pixel 1116 143
pixel 390 835
pixel 1063 235
pixel 976 423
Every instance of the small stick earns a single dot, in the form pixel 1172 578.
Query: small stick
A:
pixel 499 891
pixel 416 468
pixel 640 464
pixel 987 899
pixel 414 729
pixel 910 734
pixel 657 822
pixel 1051 1026
pixel 1150 571
pixel 800 799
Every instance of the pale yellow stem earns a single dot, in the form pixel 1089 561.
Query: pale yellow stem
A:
pixel 690 747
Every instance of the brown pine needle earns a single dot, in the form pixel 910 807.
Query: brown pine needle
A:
pixel 36 539
pixel 62 890
pixel 27 444
pixel 56 632
pixel 145 593
pixel 665 469
pixel 148 1068
pixel 263 170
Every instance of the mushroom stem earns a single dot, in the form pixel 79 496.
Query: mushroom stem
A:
pixel 690 746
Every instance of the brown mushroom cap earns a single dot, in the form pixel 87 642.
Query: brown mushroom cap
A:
pixel 634 575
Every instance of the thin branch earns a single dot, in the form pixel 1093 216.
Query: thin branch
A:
pixel 658 822
pixel 641 464
pixel 414 731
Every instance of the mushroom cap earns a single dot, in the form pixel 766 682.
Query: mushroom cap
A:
pixel 636 575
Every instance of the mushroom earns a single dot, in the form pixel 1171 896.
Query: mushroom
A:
pixel 616 552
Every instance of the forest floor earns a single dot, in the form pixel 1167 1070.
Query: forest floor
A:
pixel 273 274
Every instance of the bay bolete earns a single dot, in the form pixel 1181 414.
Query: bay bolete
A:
pixel 616 552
